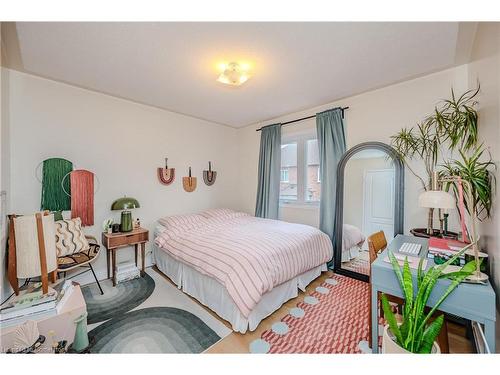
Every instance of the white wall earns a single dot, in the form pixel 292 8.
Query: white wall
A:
pixel 122 143
pixel 372 116
pixel 485 67
pixel 5 289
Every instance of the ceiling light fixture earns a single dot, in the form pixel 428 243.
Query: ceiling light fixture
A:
pixel 234 74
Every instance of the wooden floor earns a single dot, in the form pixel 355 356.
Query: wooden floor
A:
pixel 239 343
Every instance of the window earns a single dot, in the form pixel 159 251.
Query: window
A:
pixel 288 183
pixel 300 179
pixel 284 175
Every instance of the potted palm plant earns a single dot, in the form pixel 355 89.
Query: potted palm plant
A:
pixel 452 126
pixel 417 332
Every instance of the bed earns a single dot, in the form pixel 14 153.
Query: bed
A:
pixel 352 241
pixel 241 267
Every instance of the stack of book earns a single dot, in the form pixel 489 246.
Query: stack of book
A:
pixel 126 271
pixel 31 304
pixel 440 250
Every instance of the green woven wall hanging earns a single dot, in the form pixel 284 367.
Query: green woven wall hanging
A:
pixel 53 196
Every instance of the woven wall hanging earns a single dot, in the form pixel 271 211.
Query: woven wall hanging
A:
pixel 53 196
pixel 189 183
pixel 209 176
pixel 166 175
pixel 82 195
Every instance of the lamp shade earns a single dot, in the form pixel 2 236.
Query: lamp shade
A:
pixel 125 203
pixel 28 262
pixel 436 199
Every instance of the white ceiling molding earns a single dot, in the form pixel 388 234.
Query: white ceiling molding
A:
pixel 295 66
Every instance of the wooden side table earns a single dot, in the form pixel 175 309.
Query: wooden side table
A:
pixel 114 241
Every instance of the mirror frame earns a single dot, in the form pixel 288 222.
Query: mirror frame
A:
pixel 339 199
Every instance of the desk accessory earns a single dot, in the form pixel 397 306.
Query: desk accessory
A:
pixel 189 183
pixel 166 175
pixel 125 204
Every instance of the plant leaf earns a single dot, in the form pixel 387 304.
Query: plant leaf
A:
pixel 430 335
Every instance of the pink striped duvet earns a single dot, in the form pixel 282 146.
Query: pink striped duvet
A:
pixel 247 255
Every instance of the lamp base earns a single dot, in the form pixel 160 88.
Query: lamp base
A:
pixel 477 278
pixel 126 221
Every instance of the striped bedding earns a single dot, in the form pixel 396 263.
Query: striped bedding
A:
pixel 247 255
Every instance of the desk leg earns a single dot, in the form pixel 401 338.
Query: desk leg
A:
pixel 374 314
pixel 489 334
pixel 143 258
pixel 136 252
pixel 113 265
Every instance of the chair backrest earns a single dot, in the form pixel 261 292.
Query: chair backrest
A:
pixel 376 243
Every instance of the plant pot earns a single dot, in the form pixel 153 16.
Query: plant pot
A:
pixel 422 232
pixel 390 346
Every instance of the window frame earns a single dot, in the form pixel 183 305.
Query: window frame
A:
pixel 301 140
pixel 284 171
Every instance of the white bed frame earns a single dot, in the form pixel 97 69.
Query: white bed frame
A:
pixel 214 295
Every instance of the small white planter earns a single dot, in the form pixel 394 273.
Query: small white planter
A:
pixel 389 345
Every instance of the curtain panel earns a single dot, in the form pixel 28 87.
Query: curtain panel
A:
pixel 268 189
pixel 332 145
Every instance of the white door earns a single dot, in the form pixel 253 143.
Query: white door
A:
pixel 378 202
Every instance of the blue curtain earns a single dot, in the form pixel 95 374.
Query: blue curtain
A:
pixel 268 190
pixel 332 145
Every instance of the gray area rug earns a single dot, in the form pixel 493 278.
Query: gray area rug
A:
pixel 148 315
pixel 116 300
pixel 153 330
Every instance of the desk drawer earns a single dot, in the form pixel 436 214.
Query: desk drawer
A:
pixel 126 239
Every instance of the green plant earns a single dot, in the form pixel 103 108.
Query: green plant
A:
pixel 453 124
pixel 477 170
pixel 416 332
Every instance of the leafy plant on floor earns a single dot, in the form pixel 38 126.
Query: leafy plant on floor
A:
pixel 417 332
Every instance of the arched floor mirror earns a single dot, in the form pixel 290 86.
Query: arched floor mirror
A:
pixel 370 198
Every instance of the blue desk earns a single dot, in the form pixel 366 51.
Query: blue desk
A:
pixel 475 302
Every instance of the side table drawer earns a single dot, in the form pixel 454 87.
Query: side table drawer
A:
pixel 126 239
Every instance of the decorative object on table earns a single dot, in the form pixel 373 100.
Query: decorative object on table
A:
pixel 125 204
pixel 115 228
pixel 137 223
pixel 435 198
pixel 166 175
pixel 82 195
pixel 53 196
pixel 417 333
pixel 209 176
pixel 452 126
pixel 116 241
pixel 107 225
pixel 27 339
pixel 81 342
pixel 75 249
pixel 189 183
pixel 32 249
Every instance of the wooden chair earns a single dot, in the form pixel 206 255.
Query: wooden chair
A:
pixel 376 244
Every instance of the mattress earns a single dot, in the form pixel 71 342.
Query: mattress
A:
pixel 214 295
pixel 248 256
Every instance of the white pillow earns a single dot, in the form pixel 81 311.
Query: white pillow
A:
pixel 218 213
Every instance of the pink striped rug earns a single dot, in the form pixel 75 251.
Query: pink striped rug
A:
pixel 334 321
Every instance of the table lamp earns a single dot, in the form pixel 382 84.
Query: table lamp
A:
pixel 435 199
pixel 125 204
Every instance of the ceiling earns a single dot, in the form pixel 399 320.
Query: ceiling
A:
pixel 295 66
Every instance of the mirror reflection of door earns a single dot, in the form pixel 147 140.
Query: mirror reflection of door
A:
pixel 368 206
